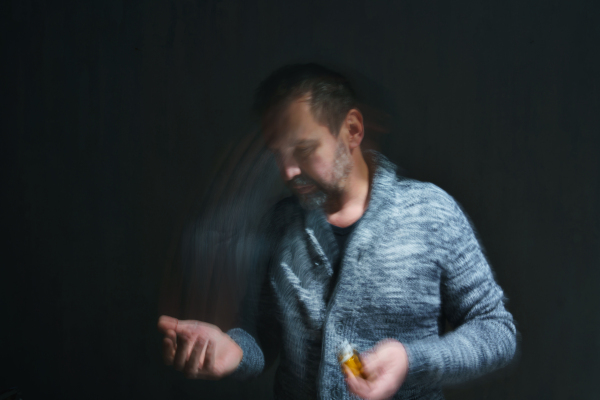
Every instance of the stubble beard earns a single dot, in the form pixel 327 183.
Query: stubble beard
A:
pixel 327 195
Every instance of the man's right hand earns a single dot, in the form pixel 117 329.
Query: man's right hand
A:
pixel 200 350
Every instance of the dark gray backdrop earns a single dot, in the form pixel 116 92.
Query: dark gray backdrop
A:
pixel 114 114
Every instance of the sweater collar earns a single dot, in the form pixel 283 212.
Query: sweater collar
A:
pixel 319 232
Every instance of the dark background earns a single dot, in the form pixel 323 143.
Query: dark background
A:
pixel 115 113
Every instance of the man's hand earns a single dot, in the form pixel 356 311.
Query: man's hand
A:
pixel 384 369
pixel 198 349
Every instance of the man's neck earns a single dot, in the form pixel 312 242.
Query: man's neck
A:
pixel 353 202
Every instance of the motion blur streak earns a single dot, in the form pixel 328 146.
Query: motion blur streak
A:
pixel 211 268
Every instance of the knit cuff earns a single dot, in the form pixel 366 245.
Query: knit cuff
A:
pixel 423 365
pixel 253 360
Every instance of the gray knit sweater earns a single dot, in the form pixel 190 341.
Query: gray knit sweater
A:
pixel 412 260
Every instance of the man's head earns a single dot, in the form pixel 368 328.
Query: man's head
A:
pixel 330 94
pixel 311 123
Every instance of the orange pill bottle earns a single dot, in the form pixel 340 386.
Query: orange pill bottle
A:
pixel 348 356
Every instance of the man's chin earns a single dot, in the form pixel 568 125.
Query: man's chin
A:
pixel 311 201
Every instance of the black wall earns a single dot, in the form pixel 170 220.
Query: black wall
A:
pixel 114 114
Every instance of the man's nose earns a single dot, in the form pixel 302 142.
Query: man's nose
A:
pixel 289 168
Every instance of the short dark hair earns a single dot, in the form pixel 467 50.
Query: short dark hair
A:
pixel 331 95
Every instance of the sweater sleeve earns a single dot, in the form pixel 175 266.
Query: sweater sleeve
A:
pixel 253 360
pixel 485 334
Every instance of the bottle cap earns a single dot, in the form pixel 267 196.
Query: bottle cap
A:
pixel 345 351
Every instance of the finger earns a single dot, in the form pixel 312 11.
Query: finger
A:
pixel 370 375
pixel 373 362
pixel 171 335
pixel 193 363
pixel 209 361
pixel 376 386
pixel 368 357
pixel 203 355
pixel 184 347
pixel 169 347
pixel 347 373
pixel 168 351
pixel 371 365
pixel 354 383
pixel 166 323
pixel 357 385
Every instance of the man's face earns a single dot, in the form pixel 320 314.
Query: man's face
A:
pixel 312 161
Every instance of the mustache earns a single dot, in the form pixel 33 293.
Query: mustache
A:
pixel 301 180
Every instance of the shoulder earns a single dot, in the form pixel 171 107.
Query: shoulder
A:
pixel 396 190
pixel 423 198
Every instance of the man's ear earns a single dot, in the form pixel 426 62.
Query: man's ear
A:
pixel 356 128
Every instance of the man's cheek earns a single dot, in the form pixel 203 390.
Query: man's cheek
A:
pixel 320 171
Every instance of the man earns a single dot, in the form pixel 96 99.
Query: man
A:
pixel 358 254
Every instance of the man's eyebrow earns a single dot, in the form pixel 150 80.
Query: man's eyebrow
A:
pixel 306 142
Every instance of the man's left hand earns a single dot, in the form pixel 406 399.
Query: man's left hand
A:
pixel 384 369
